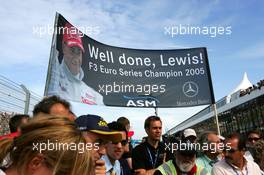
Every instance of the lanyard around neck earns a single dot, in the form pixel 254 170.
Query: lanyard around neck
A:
pixel 153 163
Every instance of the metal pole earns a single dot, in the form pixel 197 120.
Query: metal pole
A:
pixel 156 111
pixel 52 54
pixel 27 102
pixel 216 118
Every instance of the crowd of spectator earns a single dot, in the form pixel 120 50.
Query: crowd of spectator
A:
pixel 101 148
pixel 4 122
pixel 252 88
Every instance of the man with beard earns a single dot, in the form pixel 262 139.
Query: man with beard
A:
pixel 67 82
pixel 211 155
pixel 235 162
pixel 190 134
pixel 183 162
pixel 114 151
pixel 149 155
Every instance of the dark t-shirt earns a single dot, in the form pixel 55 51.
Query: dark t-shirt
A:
pixel 157 172
pixel 145 156
pixel 125 167
pixel 129 153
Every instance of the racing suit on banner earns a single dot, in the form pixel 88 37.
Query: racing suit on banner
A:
pixel 71 87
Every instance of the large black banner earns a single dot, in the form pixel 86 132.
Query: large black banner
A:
pixel 84 70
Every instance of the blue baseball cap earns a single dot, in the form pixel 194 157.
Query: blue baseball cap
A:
pixel 97 125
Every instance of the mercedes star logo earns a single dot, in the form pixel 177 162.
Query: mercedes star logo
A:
pixel 190 89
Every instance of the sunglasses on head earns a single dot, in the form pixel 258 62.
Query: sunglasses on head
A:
pixel 253 139
pixel 123 142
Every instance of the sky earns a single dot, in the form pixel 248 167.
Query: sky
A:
pixel 26 40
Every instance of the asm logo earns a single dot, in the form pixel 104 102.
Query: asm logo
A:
pixel 141 101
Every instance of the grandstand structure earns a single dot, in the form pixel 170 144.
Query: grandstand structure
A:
pixel 240 111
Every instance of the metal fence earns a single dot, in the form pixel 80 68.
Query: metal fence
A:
pixel 14 98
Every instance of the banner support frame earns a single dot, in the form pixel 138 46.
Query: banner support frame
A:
pixel 216 118
pixel 52 50
pixel 156 111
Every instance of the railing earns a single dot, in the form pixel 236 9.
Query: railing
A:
pixel 16 98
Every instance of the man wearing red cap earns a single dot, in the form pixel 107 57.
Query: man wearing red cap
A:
pixel 69 84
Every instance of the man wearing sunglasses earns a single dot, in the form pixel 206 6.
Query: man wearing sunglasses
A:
pixel 235 162
pixel 67 82
pixel 252 137
pixel 96 132
pixel 115 150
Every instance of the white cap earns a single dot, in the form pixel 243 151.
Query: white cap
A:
pixel 189 132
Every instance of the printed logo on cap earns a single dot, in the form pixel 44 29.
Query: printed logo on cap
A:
pixel 102 123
